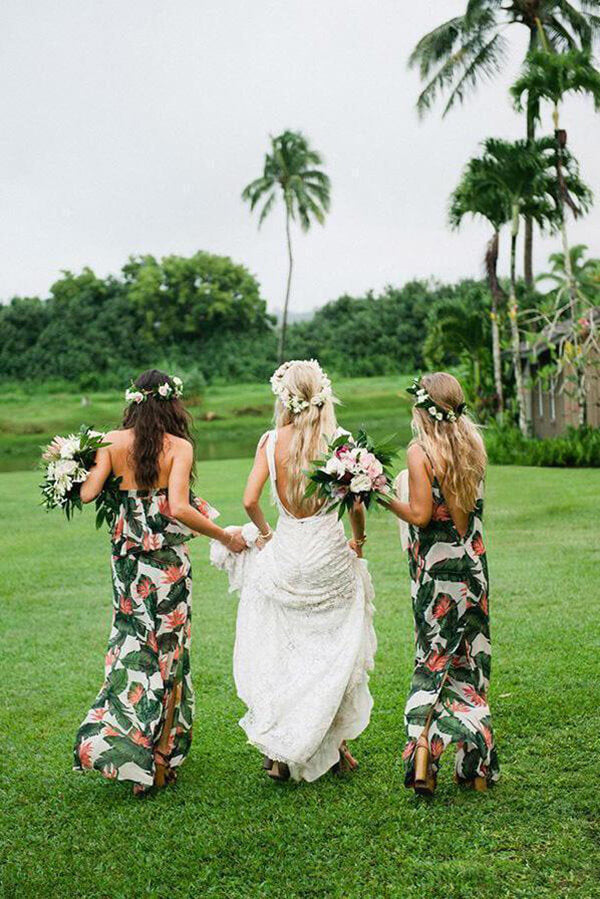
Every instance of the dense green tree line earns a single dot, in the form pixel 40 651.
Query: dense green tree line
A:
pixel 205 316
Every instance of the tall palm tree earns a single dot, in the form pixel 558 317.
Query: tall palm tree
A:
pixel 475 196
pixel 549 76
pixel 457 55
pixel 291 170
pixel 515 171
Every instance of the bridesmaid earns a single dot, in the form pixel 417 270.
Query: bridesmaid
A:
pixel 140 725
pixel 447 702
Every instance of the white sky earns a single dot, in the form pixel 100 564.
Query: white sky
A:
pixel 131 126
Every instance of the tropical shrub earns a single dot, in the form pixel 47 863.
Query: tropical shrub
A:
pixel 576 448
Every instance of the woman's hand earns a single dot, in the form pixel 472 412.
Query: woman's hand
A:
pixel 356 548
pixel 235 542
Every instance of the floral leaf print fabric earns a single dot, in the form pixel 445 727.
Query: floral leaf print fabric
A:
pixel 449 590
pixel 147 664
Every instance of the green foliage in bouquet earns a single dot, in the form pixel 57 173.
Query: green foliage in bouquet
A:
pixel 353 469
pixel 66 463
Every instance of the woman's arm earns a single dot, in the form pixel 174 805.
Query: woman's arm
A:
pixel 183 511
pixel 357 523
pixel 99 472
pixel 419 509
pixel 254 488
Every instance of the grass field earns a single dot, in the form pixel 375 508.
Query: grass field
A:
pixel 227 421
pixel 224 830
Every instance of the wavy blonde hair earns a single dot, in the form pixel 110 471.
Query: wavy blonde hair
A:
pixel 456 449
pixel 312 427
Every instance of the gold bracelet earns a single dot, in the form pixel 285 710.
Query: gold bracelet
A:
pixel 361 541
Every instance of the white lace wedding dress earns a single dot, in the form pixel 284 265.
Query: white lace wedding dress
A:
pixel 305 640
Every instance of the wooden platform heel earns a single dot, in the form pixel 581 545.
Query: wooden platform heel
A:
pixel 164 775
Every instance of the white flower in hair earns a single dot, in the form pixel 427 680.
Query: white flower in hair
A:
pixel 165 390
pixel 296 404
pixel 134 396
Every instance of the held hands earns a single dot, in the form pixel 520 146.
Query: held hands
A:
pixel 357 547
pixel 234 541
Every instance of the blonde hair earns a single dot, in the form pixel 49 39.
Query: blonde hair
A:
pixel 455 448
pixel 312 427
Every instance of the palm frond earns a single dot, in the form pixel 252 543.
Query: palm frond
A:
pixel 487 62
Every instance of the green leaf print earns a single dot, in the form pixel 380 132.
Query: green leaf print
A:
pixel 141 660
pixel 176 595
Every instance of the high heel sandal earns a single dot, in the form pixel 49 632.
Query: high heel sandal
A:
pixel 479 784
pixel 346 761
pixel 425 780
pixel 279 771
pixel 267 763
pixel 163 773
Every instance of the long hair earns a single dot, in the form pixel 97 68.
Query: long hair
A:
pixel 456 449
pixel 150 421
pixel 311 429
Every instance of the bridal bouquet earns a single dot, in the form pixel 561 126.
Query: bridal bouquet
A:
pixel 66 463
pixel 352 469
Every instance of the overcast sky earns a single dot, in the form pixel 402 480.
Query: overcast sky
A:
pixel 131 126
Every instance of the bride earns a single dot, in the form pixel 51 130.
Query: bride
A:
pixel 305 640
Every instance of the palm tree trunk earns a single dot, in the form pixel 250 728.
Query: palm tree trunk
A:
pixel 491 262
pixel 513 314
pixel 528 249
pixel 282 333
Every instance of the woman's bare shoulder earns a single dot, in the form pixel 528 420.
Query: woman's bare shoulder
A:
pixel 178 445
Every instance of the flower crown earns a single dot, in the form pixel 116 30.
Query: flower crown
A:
pixel 164 391
pixel 296 404
pixel 424 401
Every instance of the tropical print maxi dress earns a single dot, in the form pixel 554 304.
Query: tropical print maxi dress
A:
pixel 449 590
pixel 147 664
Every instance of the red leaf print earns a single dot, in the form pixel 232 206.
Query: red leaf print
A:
pixel 436 746
pixel 110 731
pixel 151 541
pixel 139 739
pixel 483 602
pixel 487 736
pixel 440 512
pixel 173 574
pixel 477 544
pixel 111 656
pixel 436 661
pixel 163 506
pixel 118 529
pixel 110 772
pixel 125 605
pixel 135 694
pixel 98 714
pixel 459 706
pixel 152 642
pixel 442 606
pixel 175 620
pixel 473 696
pixel 85 754
pixel 145 587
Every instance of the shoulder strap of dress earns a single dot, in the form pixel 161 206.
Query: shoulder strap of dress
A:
pixel 270 447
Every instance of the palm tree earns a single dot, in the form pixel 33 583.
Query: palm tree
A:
pixel 467 49
pixel 475 196
pixel 457 330
pixel 549 76
pixel 291 168
pixel 515 172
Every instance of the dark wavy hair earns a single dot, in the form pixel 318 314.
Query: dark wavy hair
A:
pixel 150 421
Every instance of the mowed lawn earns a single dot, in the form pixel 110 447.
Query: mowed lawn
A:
pixel 225 830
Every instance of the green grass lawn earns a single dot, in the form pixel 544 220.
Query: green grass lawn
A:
pixel 227 421
pixel 226 831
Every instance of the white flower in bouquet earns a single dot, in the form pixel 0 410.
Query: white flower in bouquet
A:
pixel 70 446
pixel 360 483
pixel 336 467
